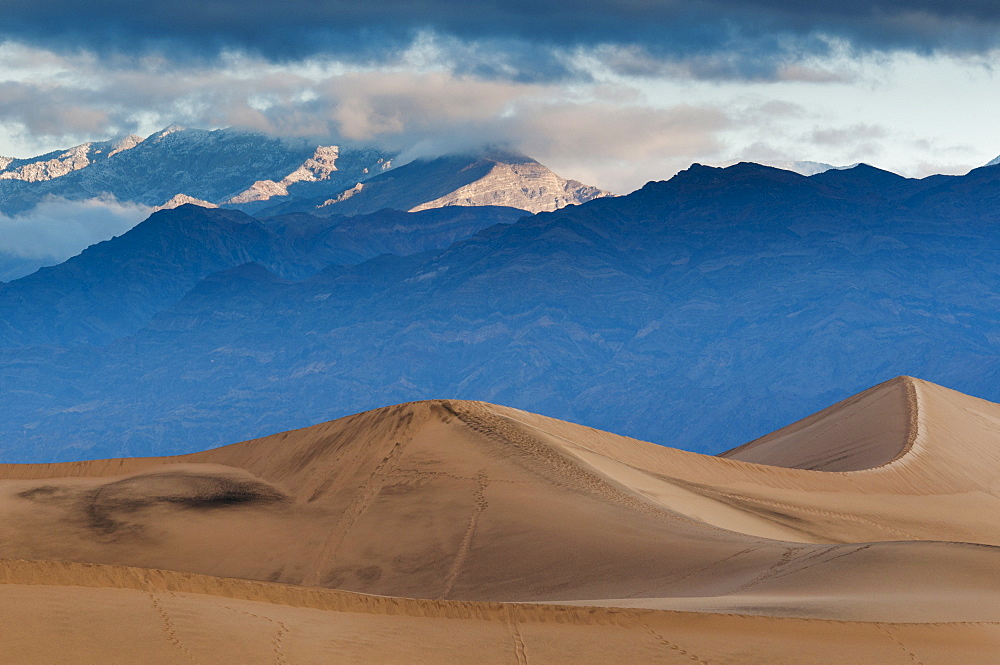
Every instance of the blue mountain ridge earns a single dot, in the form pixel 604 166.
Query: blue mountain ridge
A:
pixel 699 312
pixel 115 287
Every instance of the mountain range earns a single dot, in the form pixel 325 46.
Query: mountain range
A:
pixel 215 166
pixel 802 167
pixel 731 287
pixel 250 171
pixel 114 288
pixel 247 171
pixel 488 178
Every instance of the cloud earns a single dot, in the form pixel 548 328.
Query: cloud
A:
pixel 601 127
pixel 848 135
pixel 604 135
pixel 52 111
pixel 806 74
pixel 511 39
pixel 57 228
pixel 400 108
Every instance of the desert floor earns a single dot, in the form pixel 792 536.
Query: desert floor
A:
pixel 463 532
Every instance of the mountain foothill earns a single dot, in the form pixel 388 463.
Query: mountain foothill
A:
pixel 728 286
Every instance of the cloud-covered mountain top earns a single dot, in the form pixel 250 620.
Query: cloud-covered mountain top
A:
pixel 488 177
pixel 216 166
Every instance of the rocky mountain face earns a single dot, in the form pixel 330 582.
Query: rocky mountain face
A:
pixel 671 314
pixel 251 172
pixel 489 178
pixel 259 175
pixel 178 200
pixel 57 164
pixel 221 166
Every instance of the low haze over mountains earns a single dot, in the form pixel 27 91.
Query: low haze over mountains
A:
pixel 731 287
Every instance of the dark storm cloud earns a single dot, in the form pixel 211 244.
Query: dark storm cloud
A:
pixel 512 39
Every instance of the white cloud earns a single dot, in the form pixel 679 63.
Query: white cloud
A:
pixel 611 126
pixel 582 127
pixel 58 228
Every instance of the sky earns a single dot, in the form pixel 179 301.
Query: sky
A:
pixel 613 93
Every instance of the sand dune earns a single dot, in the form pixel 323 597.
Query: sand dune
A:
pixel 77 613
pixel 865 533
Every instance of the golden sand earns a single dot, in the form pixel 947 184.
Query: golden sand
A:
pixel 464 532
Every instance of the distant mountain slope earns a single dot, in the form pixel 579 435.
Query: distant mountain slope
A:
pixel 14 267
pixel 724 289
pixel 115 287
pixel 338 239
pixel 492 178
pixel 62 162
pixel 802 167
pixel 178 200
pixel 215 166
pixel 266 175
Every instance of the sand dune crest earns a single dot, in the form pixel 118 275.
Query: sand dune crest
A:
pixel 878 511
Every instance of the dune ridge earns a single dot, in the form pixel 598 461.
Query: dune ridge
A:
pixel 869 446
pixel 874 514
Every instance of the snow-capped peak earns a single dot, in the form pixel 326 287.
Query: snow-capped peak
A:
pixel 58 164
pixel 183 199
pixel 173 128
pixel 316 168
pixel 127 143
